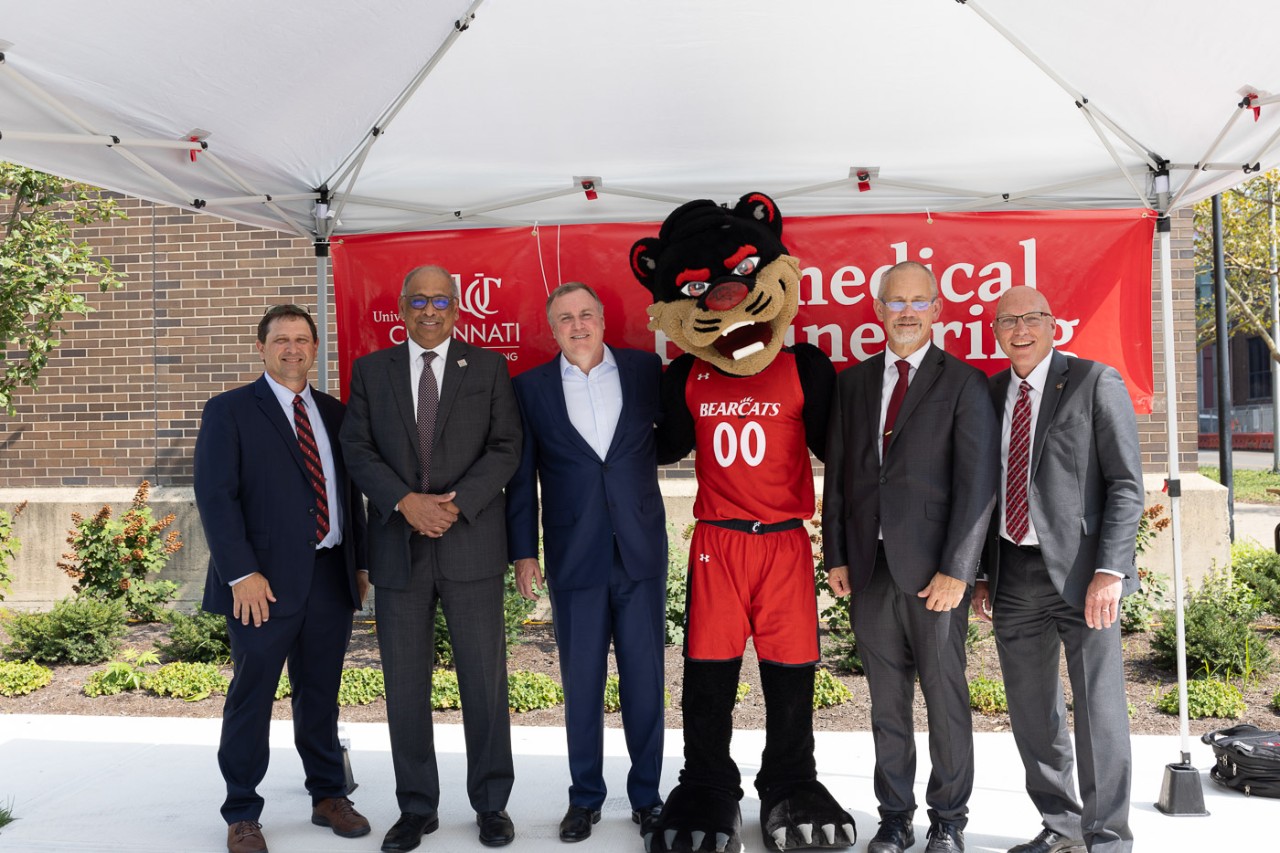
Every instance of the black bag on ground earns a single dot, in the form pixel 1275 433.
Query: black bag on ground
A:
pixel 1248 759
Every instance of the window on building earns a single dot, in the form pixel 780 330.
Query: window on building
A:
pixel 1259 370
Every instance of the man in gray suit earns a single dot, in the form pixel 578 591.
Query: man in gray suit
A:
pixel 1059 558
pixel 910 485
pixel 432 436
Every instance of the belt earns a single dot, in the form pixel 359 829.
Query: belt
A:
pixel 742 525
pixel 1026 549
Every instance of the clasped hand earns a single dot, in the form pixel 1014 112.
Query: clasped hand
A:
pixel 430 515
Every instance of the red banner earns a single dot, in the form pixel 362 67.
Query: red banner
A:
pixel 1094 267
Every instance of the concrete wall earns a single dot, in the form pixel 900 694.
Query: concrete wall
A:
pixel 43 527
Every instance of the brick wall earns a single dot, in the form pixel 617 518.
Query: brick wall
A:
pixel 120 400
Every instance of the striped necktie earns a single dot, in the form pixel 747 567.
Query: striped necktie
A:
pixel 315 469
pixel 1016 517
pixel 428 402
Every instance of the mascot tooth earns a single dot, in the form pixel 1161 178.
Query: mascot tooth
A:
pixel 725 290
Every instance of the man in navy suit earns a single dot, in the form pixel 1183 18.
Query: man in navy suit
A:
pixel 589 418
pixel 285 528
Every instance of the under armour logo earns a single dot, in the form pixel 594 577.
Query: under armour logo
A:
pixel 704 558
pixel 704 375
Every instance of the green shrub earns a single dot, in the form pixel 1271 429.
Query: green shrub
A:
pixel 76 630
pixel 842 646
pixel 283 688
pixel 110 559
pixel 444 690
pixel 515 612
pixel 1206 697
pixel 189 681
pixel 986 696
pixel 199 638
pixel 1138 609
pixel 530 691
pixel 613 698
pixel 741 692
pixel 18 678
pixel 1259 569
pixel 9 546
pixel 121 675
pixel 677 584
pixel 360 686
pixel 1275 701
pixel 1219 637
pixel 828 691
pixel 6 814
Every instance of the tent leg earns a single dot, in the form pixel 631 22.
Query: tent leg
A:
pixel 322 312
pixel 1180 794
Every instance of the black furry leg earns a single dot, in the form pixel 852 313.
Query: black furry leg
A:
pixel 796 810
pixel 702 812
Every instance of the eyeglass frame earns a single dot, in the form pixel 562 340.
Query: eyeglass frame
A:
pixel 1009 322
pixel 901 304
pixel 434 301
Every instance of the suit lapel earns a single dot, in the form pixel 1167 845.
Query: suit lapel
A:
pixel 551 389
pixel 270 407
pixel 1055 385
pixel 401 377
pixel 455 373
pixel 626 382
pixel 871 401
pixel 926 374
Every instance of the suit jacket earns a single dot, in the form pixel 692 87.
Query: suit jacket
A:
pixel 476 450
pixel 933 494
pixel 1086 492
pixel 256 502
pixel 588 503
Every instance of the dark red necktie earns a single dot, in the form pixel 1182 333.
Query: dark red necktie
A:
pixel 1015 483
pixel 315 469
pixel 428 401
pixel 895 403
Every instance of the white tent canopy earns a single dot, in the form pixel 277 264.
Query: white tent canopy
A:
pixel 453 113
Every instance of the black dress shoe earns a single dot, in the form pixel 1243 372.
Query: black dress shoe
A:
pixel 577 822
pixel 945 838
pixel 407 832
pixel 647 818
pixel 1049 841
pixel 496 829
pixel 895 834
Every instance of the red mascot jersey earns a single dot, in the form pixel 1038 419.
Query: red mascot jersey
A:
pixel 752 461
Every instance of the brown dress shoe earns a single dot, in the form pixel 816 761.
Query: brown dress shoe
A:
pixel 246 837
pixel 340 814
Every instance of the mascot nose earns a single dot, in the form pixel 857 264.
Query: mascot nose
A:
pixel 726 295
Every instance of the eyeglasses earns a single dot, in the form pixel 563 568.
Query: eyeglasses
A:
pixel 1031 319
pixel 916 304
pixel 417 303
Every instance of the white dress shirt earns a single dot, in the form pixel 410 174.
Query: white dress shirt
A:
pixel 1036 379
pixel 437 366
pixel 594 400
pixel 891 380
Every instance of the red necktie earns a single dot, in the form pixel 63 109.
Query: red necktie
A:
pixel 428 401
pixel 895 403
pixel 1015 484
pixel 315 469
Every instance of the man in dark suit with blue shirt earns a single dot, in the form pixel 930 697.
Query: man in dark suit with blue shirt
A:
pixel 1059 558
pixel 589 417
pixel 432 436
pixel 285 528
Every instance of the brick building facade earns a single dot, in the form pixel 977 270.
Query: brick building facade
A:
pixel 120 400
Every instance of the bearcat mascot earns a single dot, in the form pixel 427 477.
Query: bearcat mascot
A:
pixel 725 291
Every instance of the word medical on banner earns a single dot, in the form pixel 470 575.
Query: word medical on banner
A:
pixel 1094 267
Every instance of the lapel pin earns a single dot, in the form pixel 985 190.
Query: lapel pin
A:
pixel 1059 386
pixel 462 362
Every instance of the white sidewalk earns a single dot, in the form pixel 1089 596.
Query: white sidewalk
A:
pixel 150 784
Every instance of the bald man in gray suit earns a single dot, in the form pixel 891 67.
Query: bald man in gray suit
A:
pixel 432 436
pixel 1059 558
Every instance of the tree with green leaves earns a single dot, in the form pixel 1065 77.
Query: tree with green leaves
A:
pixel 1246 245
pixel 43 269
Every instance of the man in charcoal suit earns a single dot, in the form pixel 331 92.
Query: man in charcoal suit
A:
pixel 285 528
pixel 1059 558
pixel 910 484
pixel 589 418
pixel 432 436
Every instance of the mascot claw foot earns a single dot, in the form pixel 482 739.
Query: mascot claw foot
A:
pixel 804 816
pixel 697 819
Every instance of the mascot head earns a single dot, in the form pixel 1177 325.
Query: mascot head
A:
pixel 724 288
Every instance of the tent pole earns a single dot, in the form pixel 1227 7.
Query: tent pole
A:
pixel 1180 793
pixel 1226 473
pixel 322 311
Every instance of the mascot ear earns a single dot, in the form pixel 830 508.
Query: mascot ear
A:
pixel 758 207
pixel 644 261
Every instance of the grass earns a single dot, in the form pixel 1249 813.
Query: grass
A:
pixel 1250 486
pixel 6 814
